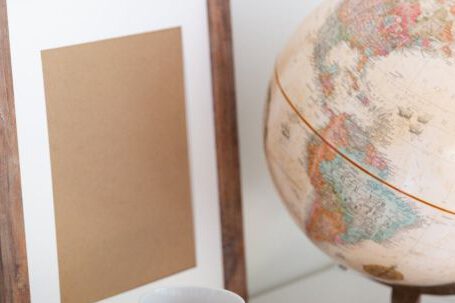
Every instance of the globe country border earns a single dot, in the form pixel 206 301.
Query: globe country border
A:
pixel 352 162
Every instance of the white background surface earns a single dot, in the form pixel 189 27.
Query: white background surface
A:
pixel 38 25
pixel 336 285
pixel 277 251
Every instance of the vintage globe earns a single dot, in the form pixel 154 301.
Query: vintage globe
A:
pixel 360 136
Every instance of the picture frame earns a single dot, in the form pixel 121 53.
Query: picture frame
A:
pixel 15 282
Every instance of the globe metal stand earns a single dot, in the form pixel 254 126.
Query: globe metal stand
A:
pixel 409 294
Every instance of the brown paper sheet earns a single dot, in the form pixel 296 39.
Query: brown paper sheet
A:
pixel 117 130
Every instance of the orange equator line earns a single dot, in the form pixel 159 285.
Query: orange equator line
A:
pixel 302 118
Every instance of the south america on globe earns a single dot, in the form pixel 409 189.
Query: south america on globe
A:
pixel 360 136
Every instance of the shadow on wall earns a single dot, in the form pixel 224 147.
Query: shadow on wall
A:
pixel 277 251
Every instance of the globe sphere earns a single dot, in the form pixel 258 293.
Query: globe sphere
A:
pixel 360 136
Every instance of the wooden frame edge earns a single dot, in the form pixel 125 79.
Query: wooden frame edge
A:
pixel 14 284
pixel 228 162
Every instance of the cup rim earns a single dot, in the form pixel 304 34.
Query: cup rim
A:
pixel 212 289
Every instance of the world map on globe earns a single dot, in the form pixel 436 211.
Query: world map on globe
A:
pixel 360 136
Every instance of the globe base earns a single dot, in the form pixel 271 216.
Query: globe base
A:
pixel 400 295
pixel 411 294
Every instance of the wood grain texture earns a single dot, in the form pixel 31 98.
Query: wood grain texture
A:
pixel 227 146
pixel 14 286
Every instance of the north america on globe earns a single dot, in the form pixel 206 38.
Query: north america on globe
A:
pixel 359 136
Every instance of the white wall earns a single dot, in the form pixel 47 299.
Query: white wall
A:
pixel 277 251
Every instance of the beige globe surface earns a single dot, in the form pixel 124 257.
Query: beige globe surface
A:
pixel 360 136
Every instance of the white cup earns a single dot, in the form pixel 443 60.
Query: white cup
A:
pixel 190 295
